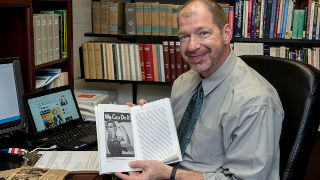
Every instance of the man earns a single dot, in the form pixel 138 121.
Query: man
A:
pixel 237 133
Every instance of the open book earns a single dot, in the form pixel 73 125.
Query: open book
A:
pixel 128 133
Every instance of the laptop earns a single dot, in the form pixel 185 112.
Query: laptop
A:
pixel 55 117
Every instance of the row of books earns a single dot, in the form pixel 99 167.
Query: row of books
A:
pixel 308 55
pixel 141 18
pixel 48 78
pixel 50 36
pixel 273 19
pixel 133 62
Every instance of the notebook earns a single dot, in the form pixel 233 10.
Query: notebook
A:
pixel 55 117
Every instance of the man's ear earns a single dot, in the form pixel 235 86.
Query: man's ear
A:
pixel 227 33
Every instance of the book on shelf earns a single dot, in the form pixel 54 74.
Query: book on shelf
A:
pixel 104 17
pixel 178 58
pixel 116 18
pixel 148 62
pixel 129 133
pixel 166 59
pixel 155 18
pixel 37 39
pixel 147 18
pixel 172 57
pixel 48 78
pixel 96 17
pixel 92 61
pixel 141 55
pixel 85 60
pixel 238 12
pixel 97 55
pixel 162 19
pixel 130 11
pixel 155 63
pixel 169 19
pixel 174 25
pixel 139 18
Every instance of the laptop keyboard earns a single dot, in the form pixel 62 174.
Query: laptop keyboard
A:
pixel 74 134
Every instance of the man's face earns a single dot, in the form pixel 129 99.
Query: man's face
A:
pixel 202 43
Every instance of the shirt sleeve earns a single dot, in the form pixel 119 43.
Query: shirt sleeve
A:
pixel 251 142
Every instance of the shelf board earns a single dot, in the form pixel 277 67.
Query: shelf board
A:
pixel 286 41
pixel 128 36
pixel 51 63
pixel 15 3
pixel 128 82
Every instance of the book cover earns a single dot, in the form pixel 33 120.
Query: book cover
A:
pixel 148 62
pixel 169 20
pixel 130 10
pixel 104 17
pixel 92 61
pixel 172 56
pixel 139 18
pixel 162 19
pixel 147 18
pixel 178 58
pixel 155 21
pixel 85 60
pixel 117 18
pixel 143 72
pixel 138 136
pixel 166 59
pixel 96 17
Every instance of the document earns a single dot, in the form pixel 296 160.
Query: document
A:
pixel 69 160
pixel 126 134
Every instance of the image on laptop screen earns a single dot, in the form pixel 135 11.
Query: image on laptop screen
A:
pixel 51 110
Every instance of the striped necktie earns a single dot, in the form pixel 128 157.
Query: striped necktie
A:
pixel 190 118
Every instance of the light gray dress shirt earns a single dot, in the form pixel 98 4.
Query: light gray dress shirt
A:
pixel 238 131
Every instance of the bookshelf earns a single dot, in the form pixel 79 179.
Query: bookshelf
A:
pixel 17 38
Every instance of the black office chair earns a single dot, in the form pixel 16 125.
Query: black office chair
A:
pixel 298 86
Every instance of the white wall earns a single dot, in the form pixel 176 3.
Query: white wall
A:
pixel 82 24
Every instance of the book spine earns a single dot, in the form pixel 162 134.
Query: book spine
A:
pixel 231 18
pixel 249 18
pixel 262 12
pixel 143 73
pixel 155 18
pixel 126 61
pixel 104 17
pixel 85 60
pixel 295 24
pixel 166 59
pixel 139 18
pixel 175 10
pixel 276 20
pixel 120 62
pixel 147 18
pixel 314 29
pixel 155 63
pixel 130 11
pixel 44 32
pixel 132 65
pixel 163 78
pixel 173 73
pixel 178 58
pixel 56 47
pixel 267 18
pixel 92 61
pixel 162 18
pixel 97 55
pixel 253 19
pixel 148 60
pixel 245 19
pixel 50 36
pixel 273 17
pixel 308 18
pixel 257 19
pixel 96 17
pixel 115 61
pixel 169 20
pixel 103 61
pixel 238 18
pixel 116 23
pixel 301 22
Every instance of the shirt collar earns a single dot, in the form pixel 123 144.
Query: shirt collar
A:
pixel 211 82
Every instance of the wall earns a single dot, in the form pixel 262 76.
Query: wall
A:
pixel 82 24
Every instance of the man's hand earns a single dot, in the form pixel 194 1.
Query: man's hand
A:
pixel 140 102
pixel 151 169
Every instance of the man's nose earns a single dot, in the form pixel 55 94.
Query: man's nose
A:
pixel 193 44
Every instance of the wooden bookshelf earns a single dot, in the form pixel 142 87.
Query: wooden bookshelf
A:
pixel 16 36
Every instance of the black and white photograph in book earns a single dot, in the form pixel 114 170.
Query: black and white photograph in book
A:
pixel 119 135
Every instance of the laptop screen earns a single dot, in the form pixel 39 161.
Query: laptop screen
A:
pixel 53 109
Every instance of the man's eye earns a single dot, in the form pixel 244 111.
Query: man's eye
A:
pixel 204 33
pixel 183 37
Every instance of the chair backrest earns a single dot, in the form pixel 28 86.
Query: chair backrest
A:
pixel 298 87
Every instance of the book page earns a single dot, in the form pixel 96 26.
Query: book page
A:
pixel 156 135
pixel 115 138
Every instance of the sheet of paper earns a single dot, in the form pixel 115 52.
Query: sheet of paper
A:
pixel 69 160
